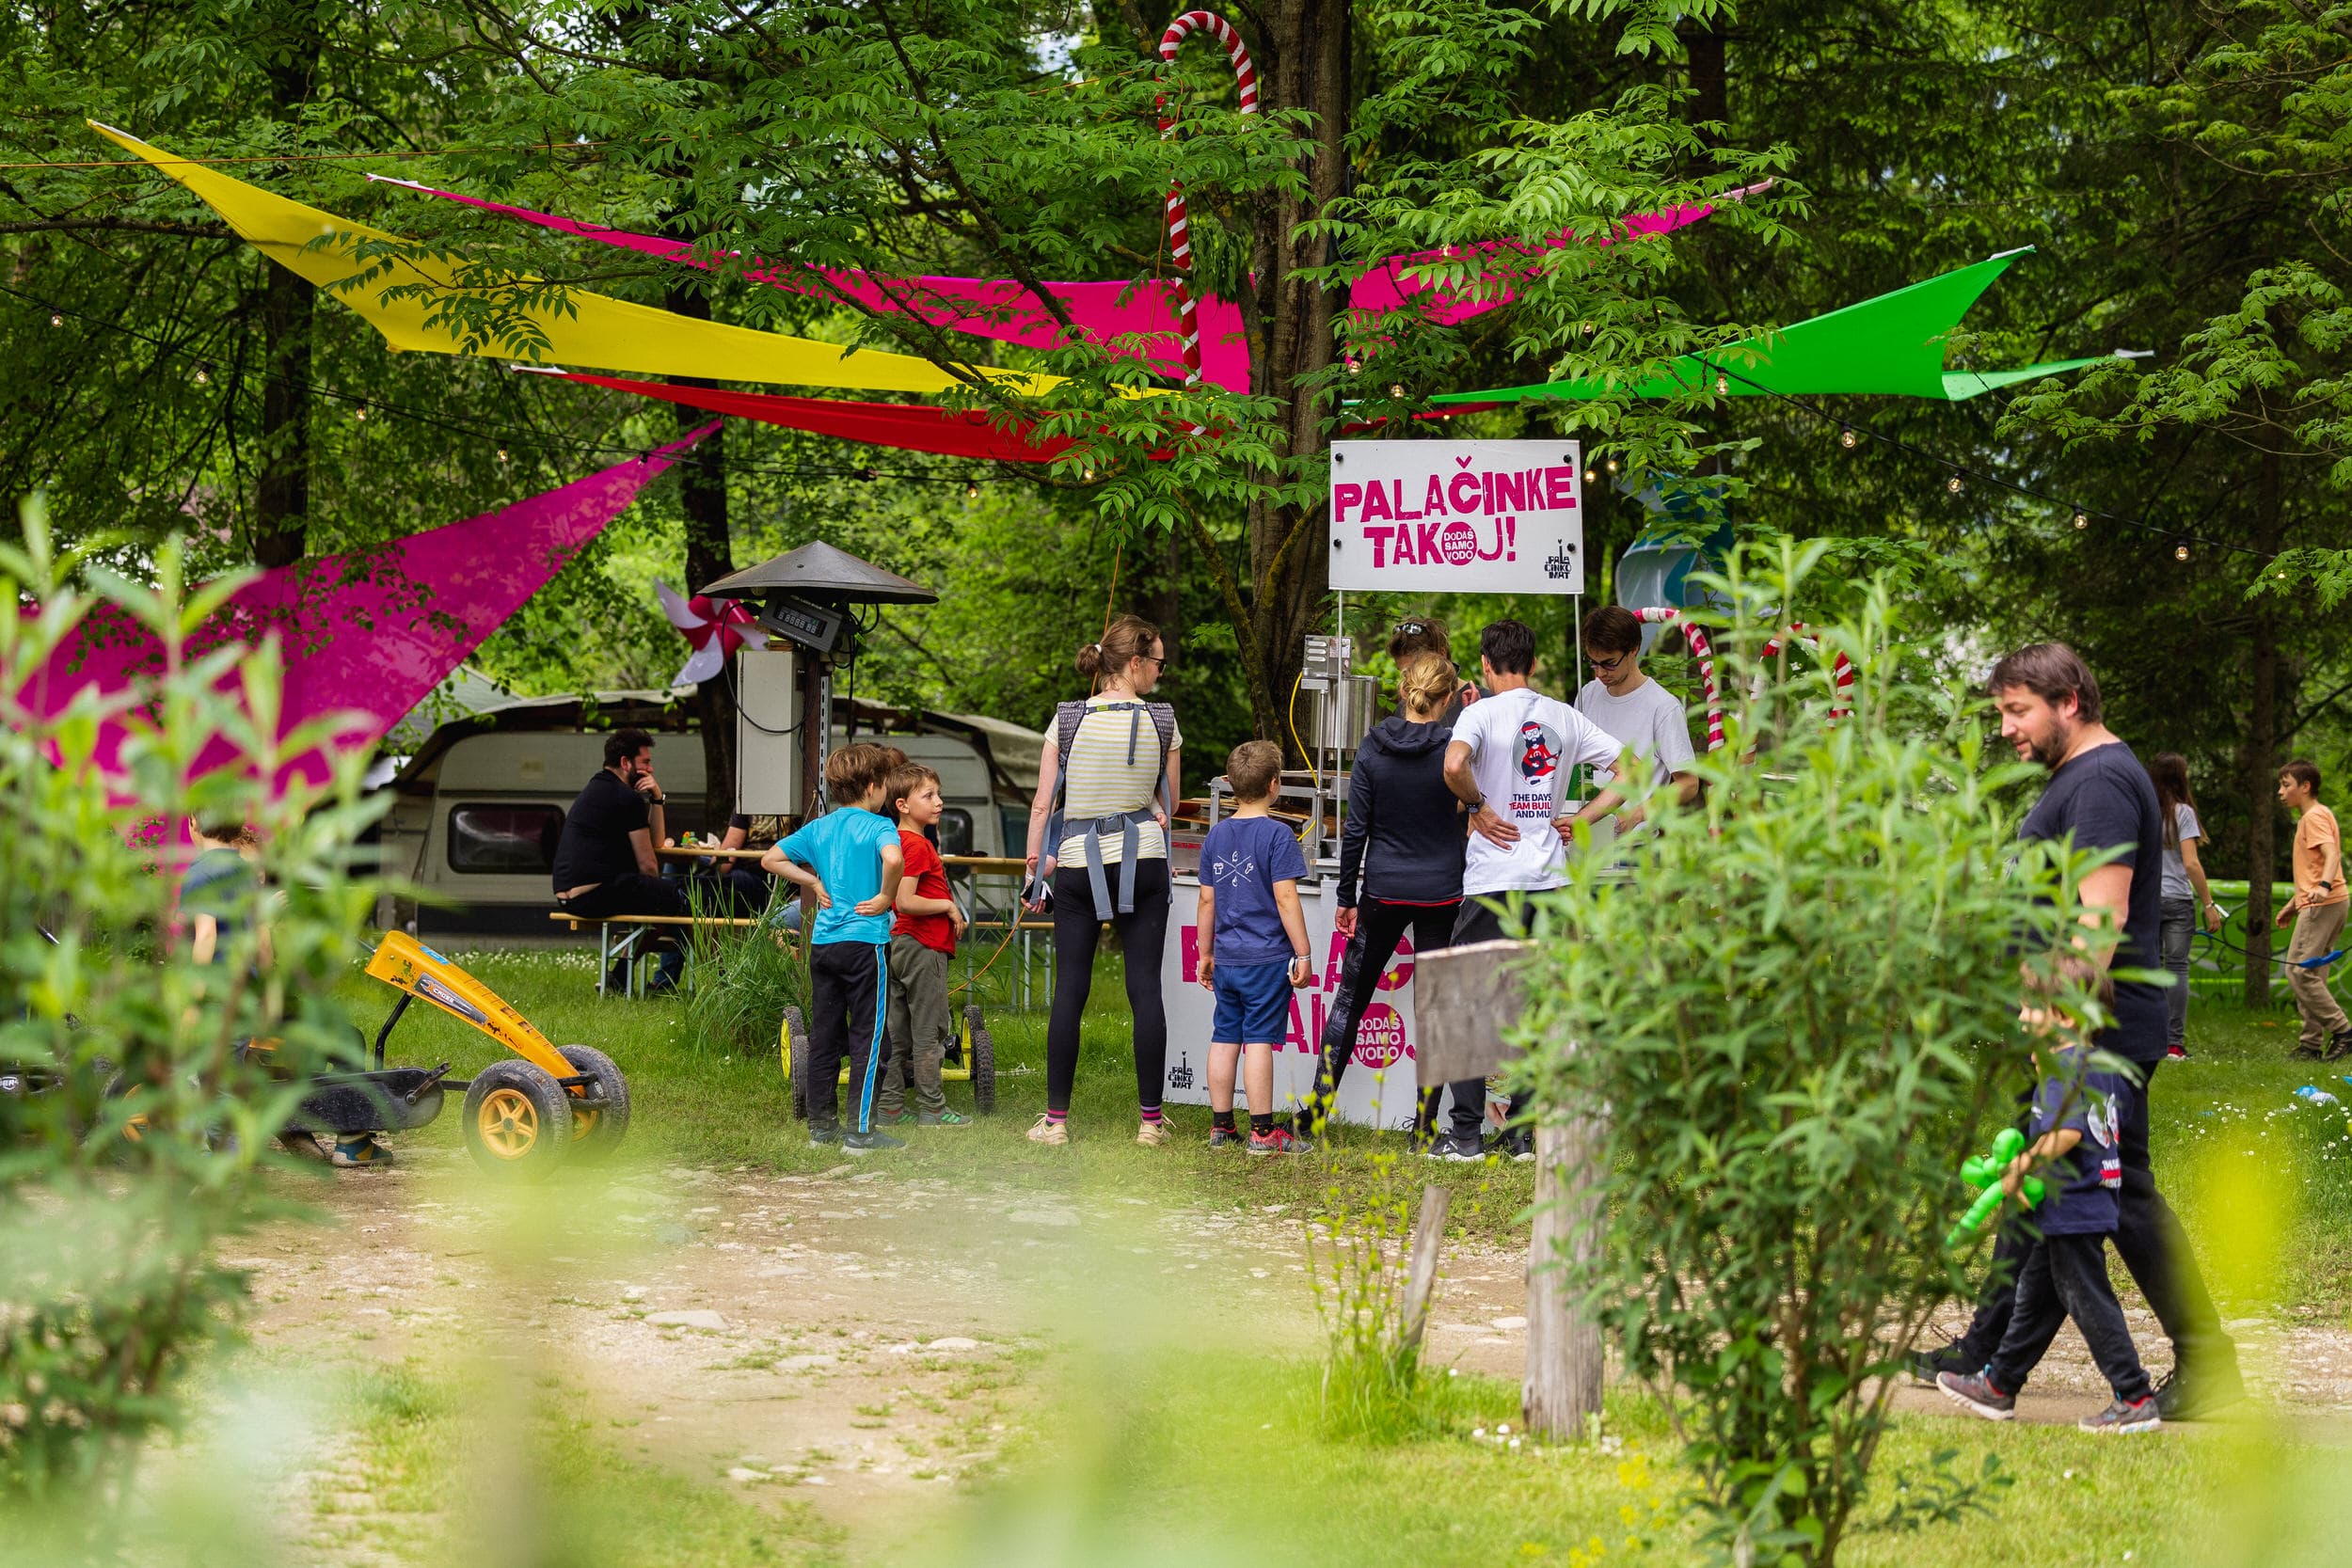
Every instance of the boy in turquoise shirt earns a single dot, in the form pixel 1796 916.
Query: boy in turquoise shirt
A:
pixel 848 861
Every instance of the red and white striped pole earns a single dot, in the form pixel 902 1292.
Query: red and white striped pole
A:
pixel 1178 230
pixel 1703 651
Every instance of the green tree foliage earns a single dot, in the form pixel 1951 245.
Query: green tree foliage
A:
pixel 133 1122
pixel 1788 1015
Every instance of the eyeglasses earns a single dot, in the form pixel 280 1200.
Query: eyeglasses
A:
pixel 1154 658
pixel 1600 663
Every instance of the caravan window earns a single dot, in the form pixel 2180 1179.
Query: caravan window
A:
pixel 504 840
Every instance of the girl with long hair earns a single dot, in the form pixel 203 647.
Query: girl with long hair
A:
pixel 2185 896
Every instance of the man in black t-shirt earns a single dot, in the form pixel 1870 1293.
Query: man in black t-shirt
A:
pixel 2100 797
pixel 604 861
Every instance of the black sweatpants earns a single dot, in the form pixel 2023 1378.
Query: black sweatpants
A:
pixel 634 893
pixel 845 1019
pixel 1142 936
pixel 1379 926
pixel 1476 923
pixel 2066 1276
pixel 2149 1240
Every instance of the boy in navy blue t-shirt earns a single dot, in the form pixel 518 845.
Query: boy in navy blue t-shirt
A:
pixel 2065 1274
pixel 848 861
pixel 1253 947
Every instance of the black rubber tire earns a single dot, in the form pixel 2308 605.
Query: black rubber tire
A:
pixel 596 1135
pixel 534 1144
pixel 984 1062
pixel 796 1060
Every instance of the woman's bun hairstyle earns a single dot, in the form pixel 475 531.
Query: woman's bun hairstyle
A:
pixel 1126 640
pixel 1427 683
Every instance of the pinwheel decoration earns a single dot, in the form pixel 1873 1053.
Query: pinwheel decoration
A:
pixel 716 628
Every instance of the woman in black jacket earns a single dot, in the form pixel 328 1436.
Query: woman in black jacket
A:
pixel 1404 832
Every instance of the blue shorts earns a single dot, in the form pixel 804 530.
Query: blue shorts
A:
pixel 1253 1003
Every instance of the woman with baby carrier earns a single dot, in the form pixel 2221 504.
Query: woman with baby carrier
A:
pixel 1098 851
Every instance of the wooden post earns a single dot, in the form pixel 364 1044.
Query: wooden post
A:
pixel 1420 1278
pixel 1563 1350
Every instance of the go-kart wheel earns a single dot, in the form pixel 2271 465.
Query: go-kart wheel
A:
pixel 596 1132
pixel 795 1054
pixel 518 1121
pixel 984 1060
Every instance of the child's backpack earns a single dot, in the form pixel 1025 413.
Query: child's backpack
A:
pixel 1067 717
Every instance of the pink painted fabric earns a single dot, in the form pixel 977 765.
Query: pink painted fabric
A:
pixel 1008 312
pixel 367 635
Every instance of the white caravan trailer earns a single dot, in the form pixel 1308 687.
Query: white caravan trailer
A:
pixel 478 809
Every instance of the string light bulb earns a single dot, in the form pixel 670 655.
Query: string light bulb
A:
pixel 203 376
pixel 1723 383
pixel 360 413
pixel 1396 389
pixel 971 492
pixel 1846 438
pixel 1956 484
pixel 1613 464
pixel 2180 552
pixel 2082 520
pixel 1090 475
pixel 56 318
pixel 869 475
pixel 501 455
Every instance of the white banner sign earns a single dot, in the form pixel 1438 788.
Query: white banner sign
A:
pixel 1458 516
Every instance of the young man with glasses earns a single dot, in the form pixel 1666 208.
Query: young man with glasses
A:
pixel 1629 707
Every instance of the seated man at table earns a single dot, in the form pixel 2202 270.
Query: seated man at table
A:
pixel 604 861
pixel 737 886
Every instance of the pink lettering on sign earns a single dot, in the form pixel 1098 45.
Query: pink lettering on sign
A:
pixel 1380 1040
pixel 1188 941
pixel 1560 488
pixel 1433 503
pixel 1465 503
pixel 1376 504
pixel 1343 496
pixel 1459 542
pixel 1404 555
pixel 1379 537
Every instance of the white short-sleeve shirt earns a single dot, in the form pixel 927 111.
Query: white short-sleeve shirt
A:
pixel 1522 745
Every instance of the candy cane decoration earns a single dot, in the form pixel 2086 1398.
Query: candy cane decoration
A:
pixel 1841 667
pixel 1696 635
pixel 1178 230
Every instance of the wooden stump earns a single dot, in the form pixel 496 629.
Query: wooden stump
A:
pixel 1420 1278
pixel 1563 1350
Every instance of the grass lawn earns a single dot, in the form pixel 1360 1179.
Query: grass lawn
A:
pixel 1172 1460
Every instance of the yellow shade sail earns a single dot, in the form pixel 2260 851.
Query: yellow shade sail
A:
pixel 582 329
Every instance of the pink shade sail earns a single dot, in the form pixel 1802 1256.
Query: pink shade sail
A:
pixel 1008 312
pixel 366 634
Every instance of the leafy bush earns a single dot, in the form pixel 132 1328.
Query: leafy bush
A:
pixel 131 1126
pixel 1786 1012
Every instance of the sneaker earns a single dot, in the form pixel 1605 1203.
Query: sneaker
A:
pixel 2176 1053
pixel 2193 1396
pixel 823 1137
pixel 869 1143
pixel 1045 1129
pixel 1927 1364
pixel 896 1118
pixel 306 1146
pixel 1457 1148
pixel 2307 1050
pixel 1152 1135
pixel 945 1119
pixel 2122 1415
pixel 1974 1392
pixel 359 1153
pixel 1280 1140
pixel 2339 1045
pixel 1514 1144
pixel 1228 1137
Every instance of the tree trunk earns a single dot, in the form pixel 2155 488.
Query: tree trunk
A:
pixel 1710 94
pixel 282 489
pixel 1305 47
pixel 2258 758
pixel 710 556
pixel 1564 1362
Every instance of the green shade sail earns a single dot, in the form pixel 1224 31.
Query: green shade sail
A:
pixel 1890 346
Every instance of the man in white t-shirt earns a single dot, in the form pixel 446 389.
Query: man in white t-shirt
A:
pixel 1508 762
pixel 1632 709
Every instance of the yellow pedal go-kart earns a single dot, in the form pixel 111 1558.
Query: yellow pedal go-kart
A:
pixel 971 1058
pixel 523 1116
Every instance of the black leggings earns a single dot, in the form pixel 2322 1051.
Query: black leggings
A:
pixel 2066 1276
pixel 1378 927
pixel 1142 936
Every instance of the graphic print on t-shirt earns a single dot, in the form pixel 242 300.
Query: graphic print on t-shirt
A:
pixel 1237 866
pixel 1538 791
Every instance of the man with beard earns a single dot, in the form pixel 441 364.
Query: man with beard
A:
pixel 2101 798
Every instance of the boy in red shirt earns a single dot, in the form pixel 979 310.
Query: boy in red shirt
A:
pixel 922 941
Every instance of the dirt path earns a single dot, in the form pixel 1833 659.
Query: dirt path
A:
pixel 869 1337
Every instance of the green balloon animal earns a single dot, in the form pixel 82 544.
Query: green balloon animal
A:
pixel 1983 1172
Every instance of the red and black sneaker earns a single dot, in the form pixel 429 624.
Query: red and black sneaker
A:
pixel 2126 1415
pixel 1280 1140
pixel 1974 1392
pixel 1226 1137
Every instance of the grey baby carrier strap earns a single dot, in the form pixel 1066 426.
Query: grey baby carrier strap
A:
pixel 1126 825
